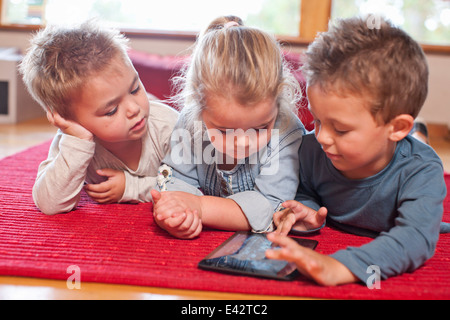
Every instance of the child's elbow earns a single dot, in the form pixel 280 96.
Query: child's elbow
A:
pixel 50 207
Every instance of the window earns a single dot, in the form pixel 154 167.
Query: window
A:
pixel 426 21
pixel 278 17
pixel 296 21
pixel 29 12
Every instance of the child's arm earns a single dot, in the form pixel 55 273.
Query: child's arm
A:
pixel 214 212
pixel 321 268
pixel 61 176
pixel 223 213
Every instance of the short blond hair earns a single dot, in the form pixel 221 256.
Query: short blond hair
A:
pixel 60 59
pixel 235 62
pixel 380 63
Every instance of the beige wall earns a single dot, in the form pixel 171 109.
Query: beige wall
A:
pixel 435 110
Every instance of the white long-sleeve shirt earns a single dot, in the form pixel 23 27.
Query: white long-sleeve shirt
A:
pixel 72 161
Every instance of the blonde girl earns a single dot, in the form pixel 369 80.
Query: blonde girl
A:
pixel 234 151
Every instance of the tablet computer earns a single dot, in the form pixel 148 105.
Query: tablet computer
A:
pixel 244 253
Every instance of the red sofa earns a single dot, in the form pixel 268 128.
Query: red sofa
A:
pixel 156 71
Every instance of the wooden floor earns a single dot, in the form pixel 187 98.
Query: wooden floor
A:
pixel 15 138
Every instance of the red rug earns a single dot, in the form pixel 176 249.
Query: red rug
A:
pixel 121 244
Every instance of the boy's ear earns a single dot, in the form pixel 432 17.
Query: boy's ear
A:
pixel 401 125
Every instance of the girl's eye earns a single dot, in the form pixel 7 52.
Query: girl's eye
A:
pixel 112 112
pixel 136 90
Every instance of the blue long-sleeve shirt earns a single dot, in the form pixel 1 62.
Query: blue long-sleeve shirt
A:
pixel 401 206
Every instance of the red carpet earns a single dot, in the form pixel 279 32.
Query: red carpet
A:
pixel 121 244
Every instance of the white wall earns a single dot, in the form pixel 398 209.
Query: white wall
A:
pixel 437 106
pixel 435 110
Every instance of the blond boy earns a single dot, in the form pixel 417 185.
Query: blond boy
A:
pixel 110 135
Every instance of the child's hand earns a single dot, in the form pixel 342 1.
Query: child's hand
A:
pixel 171 203
pixel 321 268
pixel 184 225
pixel 299 217
pixel 69 127
pixel 109 191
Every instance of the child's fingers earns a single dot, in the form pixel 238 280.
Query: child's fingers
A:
pixel 322 214
pixel 105 197
pixel 57 120
pixel 166 212
pixel 100 193
pixel 98 188
pixel 290 250
pixel 280 240
pixel 291 204
pixel 301 211
pixel 156 195
pixel 107 172
pixel 189 219
pixel 195 225
pixel 285 224
pixel 198 230
pixel 279 216
pixel 279 254
pixel 95 195
pixel 297 207
pixel 176 221
pixel 50 117
pixel 197 222
pixel 308 262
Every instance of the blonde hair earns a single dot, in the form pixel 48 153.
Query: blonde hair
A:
pixel 61 58
pixel 235 62
pixel 382 64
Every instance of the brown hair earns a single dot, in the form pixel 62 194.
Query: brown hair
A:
pixel 60 59
pixel 381 63
pixel 234 61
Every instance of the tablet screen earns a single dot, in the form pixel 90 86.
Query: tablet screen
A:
pixel 244 253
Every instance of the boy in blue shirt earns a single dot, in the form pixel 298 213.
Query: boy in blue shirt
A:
pixel 360 169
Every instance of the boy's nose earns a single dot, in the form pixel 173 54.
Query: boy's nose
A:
pixel 323 136
pixel 133 109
